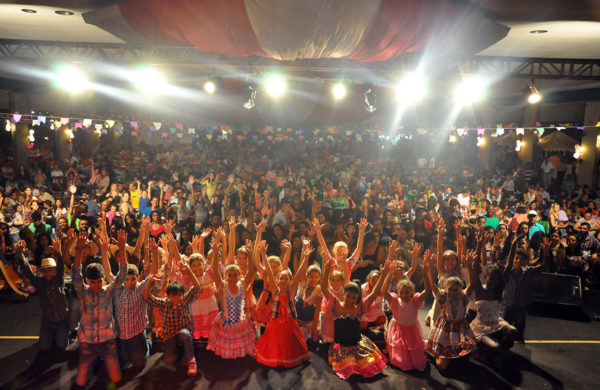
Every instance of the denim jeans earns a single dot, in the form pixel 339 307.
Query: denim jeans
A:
pixel 90 352
pixel 53 333
pixel 135 350
pixel 171 350
pixel 516 316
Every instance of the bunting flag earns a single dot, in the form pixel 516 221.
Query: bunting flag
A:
pixel 41 119
pixel 157 125
pixel 87 122
pixel 16 117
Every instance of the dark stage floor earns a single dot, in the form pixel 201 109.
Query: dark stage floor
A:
pixel 562 352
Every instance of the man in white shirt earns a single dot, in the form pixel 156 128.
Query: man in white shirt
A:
pixel 547 170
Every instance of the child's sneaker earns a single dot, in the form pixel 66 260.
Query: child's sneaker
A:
pixel 192 368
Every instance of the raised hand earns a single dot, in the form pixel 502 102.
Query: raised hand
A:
pixel 56 244
pixel 362 225
pixel 249 245
pixel 169 225
pixel 121 239
pixel 416 251
pixel 205 233
pixel 81 241
pixel 307 250
pixel 20 247
pixel 498 239
pixel 317 225
pixel 286 245
pixel 441 229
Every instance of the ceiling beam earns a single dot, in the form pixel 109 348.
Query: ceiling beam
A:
pixel 190 57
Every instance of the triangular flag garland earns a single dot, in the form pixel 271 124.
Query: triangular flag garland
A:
pixel 182 131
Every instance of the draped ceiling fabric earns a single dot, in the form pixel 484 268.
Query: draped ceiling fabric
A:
pixel 365 31
pixel 362 30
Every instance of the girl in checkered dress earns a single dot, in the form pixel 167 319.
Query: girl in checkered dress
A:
pixel 282 343
pixel 232 334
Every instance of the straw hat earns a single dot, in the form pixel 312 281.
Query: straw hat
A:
pixel 48 262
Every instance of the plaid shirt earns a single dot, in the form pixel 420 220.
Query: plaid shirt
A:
pixel 97 323
pixel 131 311
pixel 177 317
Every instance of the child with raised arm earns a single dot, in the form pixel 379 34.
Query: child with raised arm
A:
pixel 352 352
pixel 282 344
pixel 131 313
pixel 404 336
pixel 54 329
pixel 232 334
pixel 176 317
pixel 97 326
pixel 340 248
pixel 448 339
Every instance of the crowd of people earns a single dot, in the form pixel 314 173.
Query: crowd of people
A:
pixel 267 250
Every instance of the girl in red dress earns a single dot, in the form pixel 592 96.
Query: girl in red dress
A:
pixel 282 343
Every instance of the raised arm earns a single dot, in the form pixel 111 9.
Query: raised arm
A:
pixel 474 270
pixel 377 289
pixel 301 272
pixel 317 226
pixel 427 264
pixel 233 223
pixel 415 255
pixel 214 264
pixel 440 247
pixel 325 279
pixel 429 276
pixel 104 246
pixel 269 271
pixel 362 228
pixel 286 249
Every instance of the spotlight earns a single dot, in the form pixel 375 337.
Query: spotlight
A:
pixel 8 126
pixel 534 96
pixel 149 80
pixel 275 85
pixel 470 90
pixel 452 139
pixel 70 79
pixel 411 89
pixel 338 90
pixel 250 96
pixel 210 87
pixel 370 98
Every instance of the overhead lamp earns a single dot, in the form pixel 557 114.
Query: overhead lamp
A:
pixel 70 79
pixel 64 13
pixel 275 85
pixel 411 89
pixel 370 98
pixel 8 126
pixel 338 90
pixel 250 97
pixel 452 139
pixel 210 87
pixel 534 96
pixel 149 80
pixel 470 90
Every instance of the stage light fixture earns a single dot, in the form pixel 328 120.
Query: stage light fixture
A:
pixel 149 80
pixel 275 85
pixel 411 89
pixel 534 95
pixel 250 97
pixel 210 87
pixel 471 90
pixel 339 90
pixel 70 79
pixel 370 98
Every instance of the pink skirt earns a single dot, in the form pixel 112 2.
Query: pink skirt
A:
pixel 405 345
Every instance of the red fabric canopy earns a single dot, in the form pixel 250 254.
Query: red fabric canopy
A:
pixel 362 30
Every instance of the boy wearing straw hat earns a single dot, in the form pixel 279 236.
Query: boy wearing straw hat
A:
pixel 54 329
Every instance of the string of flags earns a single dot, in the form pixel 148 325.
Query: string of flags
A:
pixel 212 130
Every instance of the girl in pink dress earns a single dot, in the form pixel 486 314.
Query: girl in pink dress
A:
pixel 404 336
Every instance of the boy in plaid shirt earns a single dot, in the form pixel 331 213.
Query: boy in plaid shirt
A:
pixel 177 321
pixel 131 313
pixel 97 327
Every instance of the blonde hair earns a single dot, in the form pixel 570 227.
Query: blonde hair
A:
pixel 337 246
pixel 233 267
pixel 274 259
pixel 336 273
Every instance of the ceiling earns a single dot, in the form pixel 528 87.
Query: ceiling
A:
pixel 573 27
pixel 572 32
